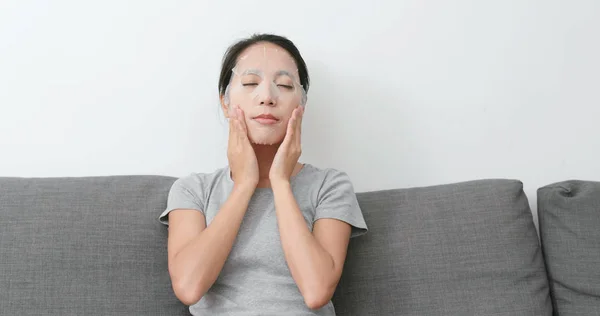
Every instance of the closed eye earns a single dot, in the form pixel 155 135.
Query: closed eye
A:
pixel 285 86
pixel 249 84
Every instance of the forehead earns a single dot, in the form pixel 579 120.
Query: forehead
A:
pixel 266 57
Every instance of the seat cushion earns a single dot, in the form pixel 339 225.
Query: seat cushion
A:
pixel 85 246
pixel 569 219
pixel 467 248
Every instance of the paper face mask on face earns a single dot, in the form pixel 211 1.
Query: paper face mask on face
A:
pixel 265 85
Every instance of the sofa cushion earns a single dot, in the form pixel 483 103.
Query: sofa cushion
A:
pixel 569 219
pixel 466 248
pixel 85 246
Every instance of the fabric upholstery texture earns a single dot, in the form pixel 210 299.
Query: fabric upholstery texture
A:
pixel 569 219
pixel 85 246
pixel 466 248
pixel 94 246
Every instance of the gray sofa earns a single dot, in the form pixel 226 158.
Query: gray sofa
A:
pixel 94 246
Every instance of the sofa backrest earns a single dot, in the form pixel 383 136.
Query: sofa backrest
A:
pixel 466 248
pixel 94 246
pixel 85 246
pixel 569 214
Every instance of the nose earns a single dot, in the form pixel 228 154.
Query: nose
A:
pixel 267 100
pixel 266 95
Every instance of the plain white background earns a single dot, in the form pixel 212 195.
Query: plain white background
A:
pixel 404 93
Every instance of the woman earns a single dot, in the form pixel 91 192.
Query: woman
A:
pixel 265 234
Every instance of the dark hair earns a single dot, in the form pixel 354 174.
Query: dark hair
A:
pixel 233 52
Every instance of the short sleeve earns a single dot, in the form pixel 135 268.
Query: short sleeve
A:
pixel 185 193
pixel 337 200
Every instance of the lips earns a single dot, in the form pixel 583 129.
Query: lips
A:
pixel 266 119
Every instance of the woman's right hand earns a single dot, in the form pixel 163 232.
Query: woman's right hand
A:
pixel 240 153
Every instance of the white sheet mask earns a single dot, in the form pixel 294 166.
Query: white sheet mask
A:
pixel 266 74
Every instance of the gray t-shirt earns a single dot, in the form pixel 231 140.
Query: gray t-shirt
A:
pixel 255 279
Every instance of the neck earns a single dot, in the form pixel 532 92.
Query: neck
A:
pixel 265 154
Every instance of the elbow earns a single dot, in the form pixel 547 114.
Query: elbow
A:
pixel 188 289
pixel 187 292
pixel 317 296
pixel 188 295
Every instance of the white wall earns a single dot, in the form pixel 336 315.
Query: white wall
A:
pixel 404 93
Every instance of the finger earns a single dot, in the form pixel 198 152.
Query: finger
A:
pixel 292 123
pixel 232 120
pixel 242 120
pixel 289 134
pixel 242 135
pixel 239 129
pixel 300 116
pixel 298 133
pixel 295 131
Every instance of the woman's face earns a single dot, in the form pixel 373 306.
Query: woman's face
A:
pixel 266 86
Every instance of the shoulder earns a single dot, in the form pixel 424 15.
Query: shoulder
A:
pixel 198 181
pixel 337 199
pixel 199 185
pixel 328 179
pixel 192 191
pixel 326 175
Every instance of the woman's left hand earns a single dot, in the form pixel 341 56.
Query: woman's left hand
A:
pixel 289 151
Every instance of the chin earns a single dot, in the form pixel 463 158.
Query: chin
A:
pixel 268 139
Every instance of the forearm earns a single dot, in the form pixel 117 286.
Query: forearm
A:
pixel 197 266
pixel 310 265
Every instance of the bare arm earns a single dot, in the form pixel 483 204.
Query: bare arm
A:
pixel 196 252
pixel 315 259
